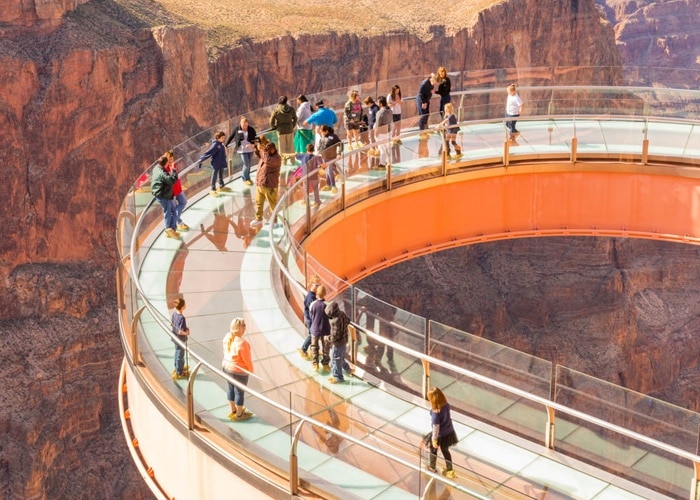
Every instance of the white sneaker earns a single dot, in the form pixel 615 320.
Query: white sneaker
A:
pixel 256 223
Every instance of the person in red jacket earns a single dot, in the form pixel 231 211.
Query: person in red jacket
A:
pixel 178 195
pixel 267 180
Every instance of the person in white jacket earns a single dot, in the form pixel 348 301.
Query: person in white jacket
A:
pixel 305 133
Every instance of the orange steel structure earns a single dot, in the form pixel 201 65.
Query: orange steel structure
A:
pixel 659 202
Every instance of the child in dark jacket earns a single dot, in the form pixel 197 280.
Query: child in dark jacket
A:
pixel 320 329
pixel 310 165
pixel 314 282
pixel 339 322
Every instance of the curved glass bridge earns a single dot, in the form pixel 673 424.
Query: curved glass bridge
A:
pixel 527 429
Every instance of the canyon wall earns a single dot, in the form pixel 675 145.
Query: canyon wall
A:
pixel 660 36
pixel 623 310
pixel 90 94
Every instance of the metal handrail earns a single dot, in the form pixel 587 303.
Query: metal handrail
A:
pixel 287 409
pixel 424 358
pixel 550 406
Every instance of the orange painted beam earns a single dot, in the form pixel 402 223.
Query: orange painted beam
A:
pixel 467 207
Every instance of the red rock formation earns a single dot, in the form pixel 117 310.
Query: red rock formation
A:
pixel 61 436
pixel 36 13
pixel 660 35
pixel 90 95
pixel 623 310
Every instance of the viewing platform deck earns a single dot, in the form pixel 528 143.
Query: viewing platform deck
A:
pixel 625 176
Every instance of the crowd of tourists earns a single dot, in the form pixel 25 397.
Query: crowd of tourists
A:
pixel 306 136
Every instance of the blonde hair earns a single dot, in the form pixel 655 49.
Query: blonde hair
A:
pixel 236 324
pixel 321 291
pixel 449 108
pixel 437 399
pixel 442 70
pixel 511 87
pixel 353 94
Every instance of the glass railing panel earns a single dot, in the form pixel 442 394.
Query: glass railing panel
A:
pixel 541 139
pixel 480 479
pixel 189 151
pixel 490 359
pixel 669 140
pixel 295 204
pixel 334 284
pixel 148 240
pixel 364 470
pixel 654 418
pixel 417 155
pixel 480 143
pixel 394 324
pixel 617 139
pixel 362 177
pixel 334 463
pixel 624 457
pixel 499 407
pixel 496 362
pixel 639 413
pixel 644 76
pixel 672 103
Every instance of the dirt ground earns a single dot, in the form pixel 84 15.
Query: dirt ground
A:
pixel 229 23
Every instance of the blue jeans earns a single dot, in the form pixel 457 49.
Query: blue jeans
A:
pixel 169 216
pixel 330 174
pixel 217 173
pixel 234 393
pixel 510 124
pixel 306 344
pixel 180 203
pixel 424 115
pixel 247 159
pixel 179 359
pixel 338 361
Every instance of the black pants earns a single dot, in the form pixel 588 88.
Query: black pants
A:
pixel 510 124
pixel 445 450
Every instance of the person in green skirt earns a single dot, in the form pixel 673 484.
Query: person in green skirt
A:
pixel 304 134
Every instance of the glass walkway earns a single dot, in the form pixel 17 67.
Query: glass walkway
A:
pixel 526 429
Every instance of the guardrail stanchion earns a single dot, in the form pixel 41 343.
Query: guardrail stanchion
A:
pixel 549 431
pixel 134 341
pixel 294 461
pixel 190 396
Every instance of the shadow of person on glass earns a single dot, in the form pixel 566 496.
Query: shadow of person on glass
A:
pixel 330 439
pixel 423 149
pixel 243 217
pixel 377 318
pixel 395 152
pixel 218 235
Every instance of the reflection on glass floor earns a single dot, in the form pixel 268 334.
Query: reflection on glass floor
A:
pixel 222 269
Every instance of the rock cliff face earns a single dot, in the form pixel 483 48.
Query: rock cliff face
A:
pixel 90 94
pixel 622 310
pixel 37 13
pixel 660 34
pixel 59 424
pixel 92 103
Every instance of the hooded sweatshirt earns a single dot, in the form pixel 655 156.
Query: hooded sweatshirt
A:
pixel 339 324
pixel 283 119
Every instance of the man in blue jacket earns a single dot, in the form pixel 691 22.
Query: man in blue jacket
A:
pixel 217 153
pixel 322 116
